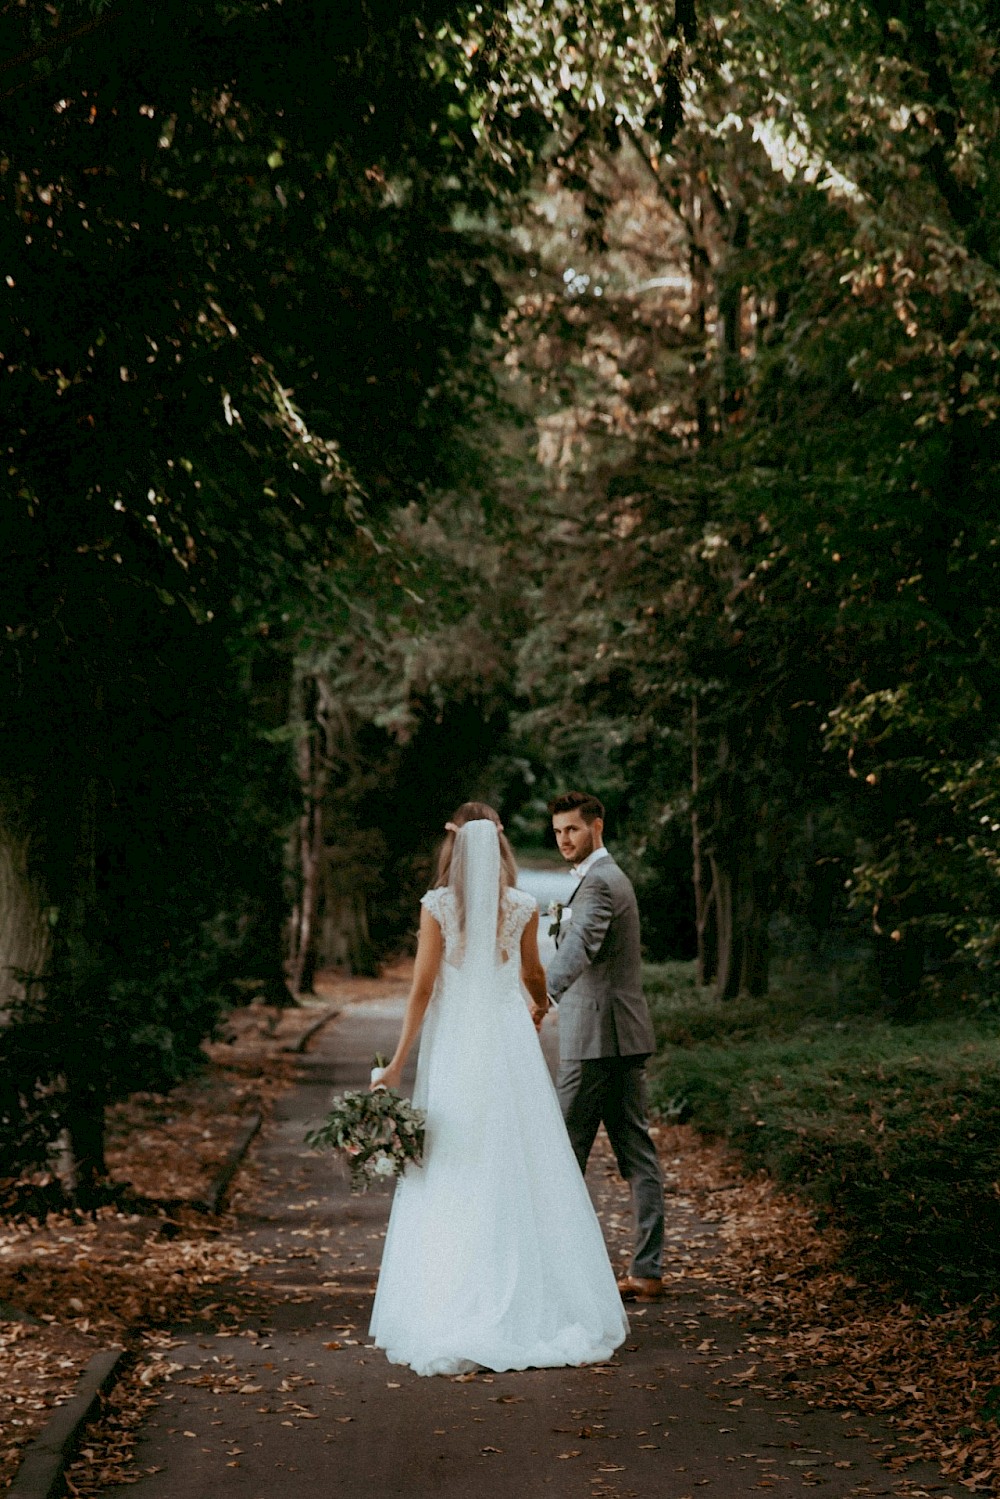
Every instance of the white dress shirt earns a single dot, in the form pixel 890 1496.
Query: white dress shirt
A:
pixel 587 864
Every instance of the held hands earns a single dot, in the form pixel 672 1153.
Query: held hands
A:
pixel 539 1012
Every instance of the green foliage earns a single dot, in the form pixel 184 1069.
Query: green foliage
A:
pixel 761 367
pixel 410 706
pixel 887 1127
pixel 30 1105
pixel 237 322
pixel 723 543
pixel 86 1036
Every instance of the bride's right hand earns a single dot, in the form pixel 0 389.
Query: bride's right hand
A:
pixel 391 1077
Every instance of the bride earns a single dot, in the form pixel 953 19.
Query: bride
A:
pixel 494 1256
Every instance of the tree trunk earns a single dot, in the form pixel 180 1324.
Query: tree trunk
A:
pixel 707 933
pixel 698 266
pixel 704 889
pixel 730 947
pixel 330 921
pixel 346 938
pixel 310 842
pixel 756 955
pixel 24 933
pixel 742 888
pixel 312 852
pixel 725 866
pixel 730 328
pixel 87 1089
pixel 84 1117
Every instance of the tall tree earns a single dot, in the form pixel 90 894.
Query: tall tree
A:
pixel 783 486
pixel 238 322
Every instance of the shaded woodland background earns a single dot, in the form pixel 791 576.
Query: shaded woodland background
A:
pixel 405 402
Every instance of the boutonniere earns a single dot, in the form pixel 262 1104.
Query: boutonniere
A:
pixel 558 915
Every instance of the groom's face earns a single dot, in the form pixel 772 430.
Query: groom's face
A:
pixel 576 839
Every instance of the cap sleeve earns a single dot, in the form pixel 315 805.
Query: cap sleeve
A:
pixel 433 900
pixel 440 904
pixel 518 911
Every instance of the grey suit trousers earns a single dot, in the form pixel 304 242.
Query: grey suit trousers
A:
pixel 612 1091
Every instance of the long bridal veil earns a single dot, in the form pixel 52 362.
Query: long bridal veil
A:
pixel 474 880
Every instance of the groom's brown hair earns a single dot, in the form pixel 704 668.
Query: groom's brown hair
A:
pixel 588 806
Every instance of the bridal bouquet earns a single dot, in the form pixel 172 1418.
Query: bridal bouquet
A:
pixel 378 1133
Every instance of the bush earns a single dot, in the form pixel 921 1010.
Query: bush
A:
pixel 67 1052
pixel 891 1129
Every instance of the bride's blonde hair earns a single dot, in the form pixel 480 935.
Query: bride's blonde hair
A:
pixel 475 812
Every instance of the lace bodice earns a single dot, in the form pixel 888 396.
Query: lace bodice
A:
pixel 518 908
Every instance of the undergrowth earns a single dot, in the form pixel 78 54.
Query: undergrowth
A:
pixel 892 1129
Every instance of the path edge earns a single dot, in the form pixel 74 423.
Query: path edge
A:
pixel 42 1471
pixel 216 1195
pixel 301 1042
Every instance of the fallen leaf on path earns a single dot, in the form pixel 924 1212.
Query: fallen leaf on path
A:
pixel 829 1339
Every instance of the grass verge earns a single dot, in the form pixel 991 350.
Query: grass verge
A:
pixel 892 1129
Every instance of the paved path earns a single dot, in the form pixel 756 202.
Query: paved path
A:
pixel 286 1398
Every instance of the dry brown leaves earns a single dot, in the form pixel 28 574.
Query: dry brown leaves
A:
pixel 82 1281
pixel 340 989
pixel 107 1458
pixel 38 1367
pixel 119 1277
pixel 835 1341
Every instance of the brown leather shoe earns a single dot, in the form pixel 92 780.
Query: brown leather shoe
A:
pixel 640 1288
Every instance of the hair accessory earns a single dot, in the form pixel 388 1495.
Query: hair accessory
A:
pixel 450 827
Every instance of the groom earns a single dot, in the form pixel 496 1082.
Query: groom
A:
pixel 605 1034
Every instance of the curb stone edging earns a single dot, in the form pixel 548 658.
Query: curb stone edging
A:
pixel 216 1194
pixel 42 1470
pixel 299 1045
pixel 9 1313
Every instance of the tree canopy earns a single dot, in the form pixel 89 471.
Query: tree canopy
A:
pixel 399 396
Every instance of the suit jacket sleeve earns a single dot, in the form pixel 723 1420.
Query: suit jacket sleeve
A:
pixel 592 912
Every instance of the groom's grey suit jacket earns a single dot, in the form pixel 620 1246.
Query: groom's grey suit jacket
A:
pixel 596 974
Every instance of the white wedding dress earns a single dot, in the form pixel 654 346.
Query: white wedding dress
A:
pixel 493 1256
